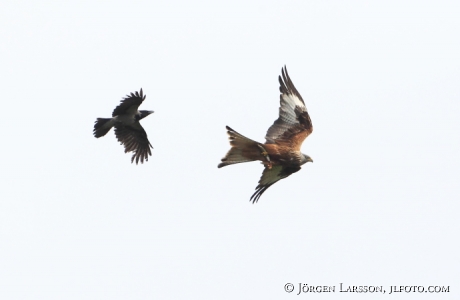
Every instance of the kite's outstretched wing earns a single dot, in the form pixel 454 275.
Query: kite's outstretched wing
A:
pixel 270 177
pixel 294 123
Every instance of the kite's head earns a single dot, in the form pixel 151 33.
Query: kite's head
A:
pixel 305 159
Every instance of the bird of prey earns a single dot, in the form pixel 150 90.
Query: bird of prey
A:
pixel 128 130
pixel 280 154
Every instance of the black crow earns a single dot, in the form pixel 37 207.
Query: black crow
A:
pixel 128 130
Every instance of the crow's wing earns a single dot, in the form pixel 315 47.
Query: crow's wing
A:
pixel 134 138
pixel 129 104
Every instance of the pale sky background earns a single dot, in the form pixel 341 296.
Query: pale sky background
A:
pixel 379 205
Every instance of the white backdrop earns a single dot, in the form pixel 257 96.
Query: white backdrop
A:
pixel 379 205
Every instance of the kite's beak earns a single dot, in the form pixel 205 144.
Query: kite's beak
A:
pixel 306 159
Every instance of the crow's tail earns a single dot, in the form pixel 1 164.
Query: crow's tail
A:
pixel 102 126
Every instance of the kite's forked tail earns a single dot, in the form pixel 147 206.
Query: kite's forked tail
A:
pixel 243 150
pixel 102 126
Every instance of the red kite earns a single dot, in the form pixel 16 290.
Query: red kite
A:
pixel 281 152
pixel 128 130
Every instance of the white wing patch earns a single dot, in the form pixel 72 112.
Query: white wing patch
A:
pixel 288 105
pixel 291 106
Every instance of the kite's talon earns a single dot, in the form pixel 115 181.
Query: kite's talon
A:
pixel 264 152
pixel 268 164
